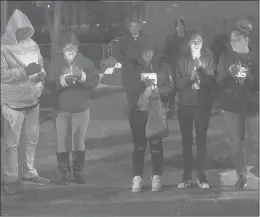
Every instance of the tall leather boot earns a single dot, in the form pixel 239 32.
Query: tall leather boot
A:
pixel 63 165
pixel 78 160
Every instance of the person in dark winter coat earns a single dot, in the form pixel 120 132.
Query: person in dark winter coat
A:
pixel 194 78
pixel 237 78
pixel 75 77
pixel 136 56
pixel 175 46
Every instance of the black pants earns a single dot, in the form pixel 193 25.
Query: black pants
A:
pixel 201 116
pixel 138 121
pixel 169 103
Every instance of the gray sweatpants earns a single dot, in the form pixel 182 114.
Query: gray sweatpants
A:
pixel 71 130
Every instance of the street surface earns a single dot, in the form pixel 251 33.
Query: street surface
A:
pixel 108 169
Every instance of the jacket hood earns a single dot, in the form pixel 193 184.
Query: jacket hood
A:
pixel 17 20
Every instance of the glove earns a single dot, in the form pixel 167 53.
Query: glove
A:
pixel 148 82
pixel 32 68
pixel 198 63
pixel 78 75
pixel 37 77
pixel 70 79
pixel 194 75
pixel 241 80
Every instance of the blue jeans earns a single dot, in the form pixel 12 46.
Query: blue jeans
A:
pixel 20 127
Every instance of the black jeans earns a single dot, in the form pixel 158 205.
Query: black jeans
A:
pixel 169 103
pixel 138 121
pixel 201 116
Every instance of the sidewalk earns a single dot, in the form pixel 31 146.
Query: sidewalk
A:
pixel 110 142
pixel 109 170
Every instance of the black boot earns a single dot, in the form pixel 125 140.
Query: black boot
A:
pixel 63 165
pixel 78 160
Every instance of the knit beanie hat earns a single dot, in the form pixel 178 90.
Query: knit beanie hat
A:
pixel 244 26
pixel 68 40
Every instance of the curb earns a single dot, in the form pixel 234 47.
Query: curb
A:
pixel 210 197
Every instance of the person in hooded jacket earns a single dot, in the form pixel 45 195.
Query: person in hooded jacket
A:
pixel 75 77
pixel 175 46
pixel 136 54
pixel 195 81
pixel 22 74
pixel 238 81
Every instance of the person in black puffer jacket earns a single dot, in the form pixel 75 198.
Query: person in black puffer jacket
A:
pixel 238 86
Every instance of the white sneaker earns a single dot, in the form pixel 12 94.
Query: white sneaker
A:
pixel 156 183
pixel 185 184
pixel 202 184
pixel 137 184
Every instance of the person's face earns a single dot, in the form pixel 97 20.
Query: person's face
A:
pixel 238 39
pixel 22 33
pixel 69 54
pixel 148 55
pixel 135 28
pixel 180 29
pixel 196 43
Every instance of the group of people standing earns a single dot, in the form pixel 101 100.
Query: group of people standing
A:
pixel 184 68
pixel 196 80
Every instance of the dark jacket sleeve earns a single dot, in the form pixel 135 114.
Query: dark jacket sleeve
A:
pixel 118 52
pixel 252 81
pixel 132 84
pixel 223 78
pixel 180 80
pixel 92 74
pixel 165 77
pixel 50 81
pixel 207 74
